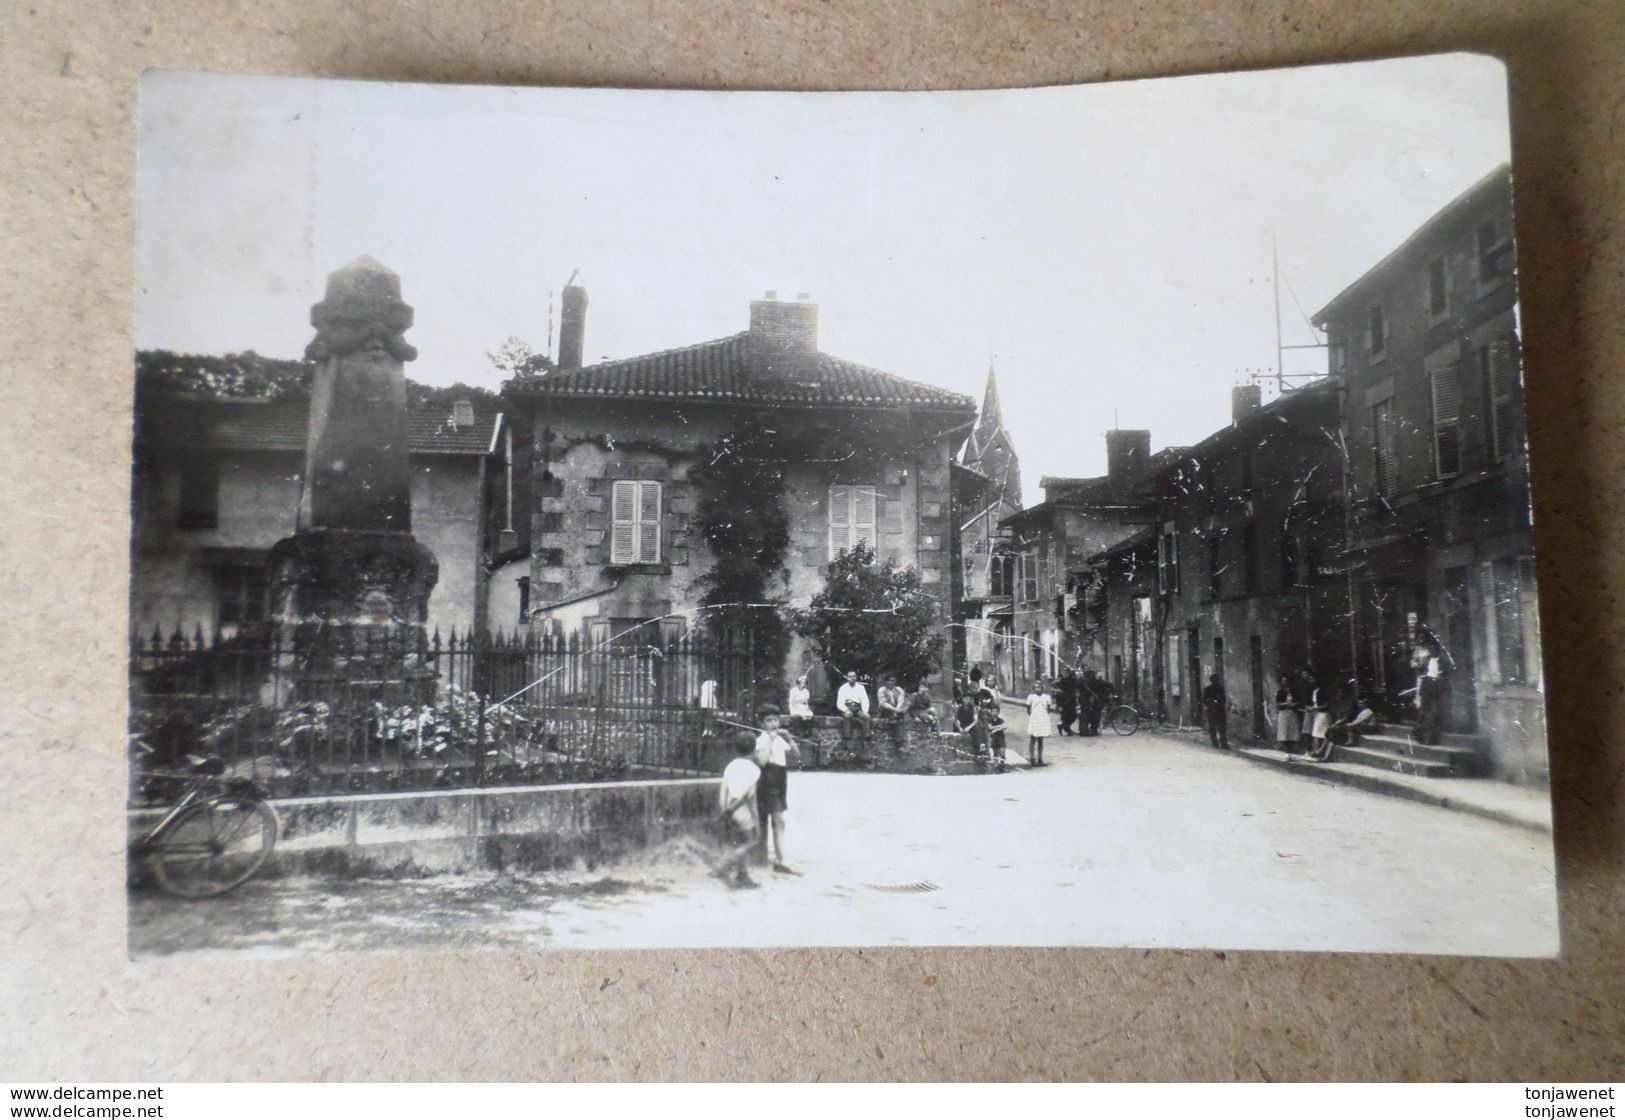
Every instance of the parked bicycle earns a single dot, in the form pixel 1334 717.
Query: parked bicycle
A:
pixel 214 838
pixel 1124 719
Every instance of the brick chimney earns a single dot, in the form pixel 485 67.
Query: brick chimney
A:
pixel 782 334
pixel 572 324
pixel 1244 401
pixel 1128 452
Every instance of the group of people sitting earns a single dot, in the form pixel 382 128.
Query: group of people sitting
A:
pixel 894 706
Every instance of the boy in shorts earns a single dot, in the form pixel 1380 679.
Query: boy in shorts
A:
pixel 737 800
pixel 773 791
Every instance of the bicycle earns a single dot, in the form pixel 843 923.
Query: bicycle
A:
pixel 1124 719
pixel 214 838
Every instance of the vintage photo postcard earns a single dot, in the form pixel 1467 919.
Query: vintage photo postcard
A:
pixel 1090 516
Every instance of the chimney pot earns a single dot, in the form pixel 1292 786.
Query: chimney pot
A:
pixel 771 294
pixel 462 413
pixel 803 297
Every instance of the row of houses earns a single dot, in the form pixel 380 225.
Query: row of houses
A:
pixel 1327 530
pixel 574 503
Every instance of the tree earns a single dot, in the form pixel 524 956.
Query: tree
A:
pixel 874 618
pixel 740 484
pixel 516 358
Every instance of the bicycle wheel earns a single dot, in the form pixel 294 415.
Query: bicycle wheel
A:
pixel 213 846
pixel 1124 720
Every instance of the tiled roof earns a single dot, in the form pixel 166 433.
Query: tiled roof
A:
pixel 280 426
pixel 721 371
pixel 1138 539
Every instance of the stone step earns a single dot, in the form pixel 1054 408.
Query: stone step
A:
pixel 1393 761
pixel 1470 741
pixel 1462 760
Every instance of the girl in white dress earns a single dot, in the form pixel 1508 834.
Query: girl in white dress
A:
pixel 1038 723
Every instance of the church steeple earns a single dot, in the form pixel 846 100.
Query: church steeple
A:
pixel 989 449
pixel 990 420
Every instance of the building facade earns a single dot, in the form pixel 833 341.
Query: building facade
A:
pixel 1425 347
pixel 863 456
pixel 217 482
pixel 1051 541
pixel 1246 546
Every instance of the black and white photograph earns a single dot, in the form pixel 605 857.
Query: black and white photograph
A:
pixel 1069 516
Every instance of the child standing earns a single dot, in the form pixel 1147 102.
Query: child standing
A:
pixel 1038 725
pixel 737 800
pixel 772 754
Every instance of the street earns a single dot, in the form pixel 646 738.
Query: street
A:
pixel 1140 841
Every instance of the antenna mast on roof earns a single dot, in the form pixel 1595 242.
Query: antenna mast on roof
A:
pixel 1281 348
pixel 550 322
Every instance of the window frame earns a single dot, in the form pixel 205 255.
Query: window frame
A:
pixel 197 503
pixel 1438 284
pixel 1376 332
pixel 852 522
pixel 1384 459
pixel 1442 425
pixel 641 526
pixel 1500 393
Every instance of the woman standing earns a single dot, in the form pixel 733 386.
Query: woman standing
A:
pixel 1318 713
pixel 1038 724
pixel 1287 723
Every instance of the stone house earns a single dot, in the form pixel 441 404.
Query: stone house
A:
pixel 218 481
pixel 616 538
pixel 1246 546
pixel 1051 541
pixel 1425 346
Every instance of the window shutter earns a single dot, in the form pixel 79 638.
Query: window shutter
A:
pixel 648 534
pixel 1446 414
pixel 840 519
pixel 623 530
pixel 1503 383
pixel 1492 639
pixel 1382 434
pixel 863 515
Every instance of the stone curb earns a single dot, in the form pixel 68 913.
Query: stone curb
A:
pixel 1374 782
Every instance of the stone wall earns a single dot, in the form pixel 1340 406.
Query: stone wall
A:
pixel 534 829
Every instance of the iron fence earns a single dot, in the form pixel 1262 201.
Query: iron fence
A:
pixel 358 710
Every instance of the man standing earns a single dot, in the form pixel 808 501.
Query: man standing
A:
pixel 1216 708
pixel 1094 702
pixel 852 702
pixel 1066 695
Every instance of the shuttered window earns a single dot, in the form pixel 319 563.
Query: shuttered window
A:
pixel 1376 331
pixel 851 518
pixel 1384 464
pixel 1446 422
pixel 635 534
pixel 1168 561
pixel 1500 384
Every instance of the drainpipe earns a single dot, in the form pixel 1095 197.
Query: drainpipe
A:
pixel 1348 537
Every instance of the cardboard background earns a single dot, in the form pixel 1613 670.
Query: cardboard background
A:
pixel 72 1008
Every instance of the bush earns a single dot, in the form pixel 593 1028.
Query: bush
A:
pixel 875 619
